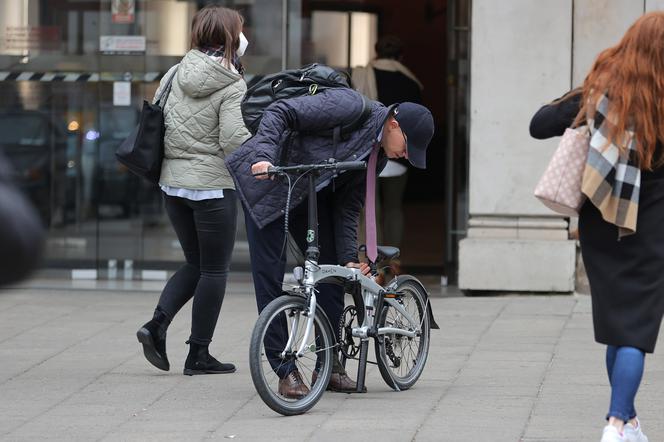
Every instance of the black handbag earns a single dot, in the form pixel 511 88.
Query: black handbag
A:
pixel 143 150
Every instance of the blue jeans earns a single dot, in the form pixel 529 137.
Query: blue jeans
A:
pixel 625 369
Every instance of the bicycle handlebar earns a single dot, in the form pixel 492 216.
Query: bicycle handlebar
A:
pixel 302 168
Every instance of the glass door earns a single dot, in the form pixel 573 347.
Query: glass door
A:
pixel 47 118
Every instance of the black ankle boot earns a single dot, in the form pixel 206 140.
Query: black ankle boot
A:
pixel 153 337
pixel 199 361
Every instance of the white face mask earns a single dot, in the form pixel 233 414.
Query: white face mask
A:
pixel 243 45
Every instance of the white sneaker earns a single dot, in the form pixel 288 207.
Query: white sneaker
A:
pixel 634 434
pixel 611 434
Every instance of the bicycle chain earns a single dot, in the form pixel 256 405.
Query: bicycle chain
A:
pixel 347 345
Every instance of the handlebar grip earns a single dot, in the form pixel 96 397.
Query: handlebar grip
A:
pixel 271 171
pixel 351 165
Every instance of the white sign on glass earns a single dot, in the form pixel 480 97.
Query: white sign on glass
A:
pixel 121 93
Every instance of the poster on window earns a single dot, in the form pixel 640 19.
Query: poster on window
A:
pixel 121 93
pixel 123 11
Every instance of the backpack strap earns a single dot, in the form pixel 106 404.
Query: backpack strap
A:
pixel 336 138
pixel 360 119
pixel 285 150
pixel 341 132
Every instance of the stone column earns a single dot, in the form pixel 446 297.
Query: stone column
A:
pixel 520 59
pixel 599 24
pixel 524 54
pixel 654 5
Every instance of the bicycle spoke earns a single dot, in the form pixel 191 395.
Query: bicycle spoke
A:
pixel 275 331
pixel 306 370
pixel 402 352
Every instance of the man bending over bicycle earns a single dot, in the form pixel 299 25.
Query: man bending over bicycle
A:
pixel 297 131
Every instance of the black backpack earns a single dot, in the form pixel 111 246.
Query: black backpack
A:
pixel 307 80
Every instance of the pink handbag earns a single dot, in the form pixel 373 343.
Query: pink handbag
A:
pixel 559 188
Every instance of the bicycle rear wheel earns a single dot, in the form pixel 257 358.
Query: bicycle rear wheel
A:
pixel 283 320
pixel 401 359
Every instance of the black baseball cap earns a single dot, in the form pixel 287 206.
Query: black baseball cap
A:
pixel 416 122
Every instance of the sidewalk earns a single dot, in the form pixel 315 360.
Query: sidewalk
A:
pixel 505 368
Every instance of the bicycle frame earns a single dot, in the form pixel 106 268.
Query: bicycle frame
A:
pixel 372 293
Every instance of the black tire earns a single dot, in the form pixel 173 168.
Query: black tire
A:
pixel 392 351
pixel 263 371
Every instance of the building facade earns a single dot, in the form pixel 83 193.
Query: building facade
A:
pixel 524 54
pixel 74 74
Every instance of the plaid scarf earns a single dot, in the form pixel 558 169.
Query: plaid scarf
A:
pixel 612 178
pixel 219 52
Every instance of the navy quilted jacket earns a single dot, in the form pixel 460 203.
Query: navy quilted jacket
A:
pixel 289 134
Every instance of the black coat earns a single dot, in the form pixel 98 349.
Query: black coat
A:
pixel 552 119
pixel 290 133
pixel 626 277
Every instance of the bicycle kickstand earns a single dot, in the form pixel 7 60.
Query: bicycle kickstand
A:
pixel 362 365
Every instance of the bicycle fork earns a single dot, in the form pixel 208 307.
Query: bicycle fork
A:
pixel 311 313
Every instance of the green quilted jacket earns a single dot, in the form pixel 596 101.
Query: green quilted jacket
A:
pixel 203 123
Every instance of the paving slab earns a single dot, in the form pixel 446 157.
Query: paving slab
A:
pixel 501 368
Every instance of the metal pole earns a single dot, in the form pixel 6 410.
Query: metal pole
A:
pixel 284 34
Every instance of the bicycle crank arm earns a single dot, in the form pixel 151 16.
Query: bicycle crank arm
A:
pixel 397 331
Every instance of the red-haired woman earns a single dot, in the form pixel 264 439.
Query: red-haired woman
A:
pixel 622 102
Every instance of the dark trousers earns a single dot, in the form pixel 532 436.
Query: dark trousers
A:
pixel 206 231
pixel 268 266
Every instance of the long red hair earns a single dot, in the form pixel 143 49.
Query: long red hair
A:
pixel 631 74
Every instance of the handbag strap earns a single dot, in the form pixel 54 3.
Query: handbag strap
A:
pixel 167 90
pixel 583 129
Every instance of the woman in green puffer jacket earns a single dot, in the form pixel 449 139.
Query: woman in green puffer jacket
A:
pixel 203 125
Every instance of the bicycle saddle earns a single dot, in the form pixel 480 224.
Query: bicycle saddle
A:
pixel 384 252
pixel 388 252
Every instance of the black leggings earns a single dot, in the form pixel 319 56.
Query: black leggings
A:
pixel 206 231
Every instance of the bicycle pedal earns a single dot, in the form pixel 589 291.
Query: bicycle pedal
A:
pixel 392 295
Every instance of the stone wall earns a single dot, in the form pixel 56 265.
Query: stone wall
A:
pixel 524 54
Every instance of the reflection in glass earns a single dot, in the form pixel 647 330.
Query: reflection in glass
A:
pixel 60 127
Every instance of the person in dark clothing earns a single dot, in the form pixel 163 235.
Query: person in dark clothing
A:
pixel 289 134
pixel 387 80
pixel 621 103
pixel 22 235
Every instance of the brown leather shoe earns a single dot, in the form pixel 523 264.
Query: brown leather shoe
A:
pixel 339 382
pixel 292 386
pixel 342 383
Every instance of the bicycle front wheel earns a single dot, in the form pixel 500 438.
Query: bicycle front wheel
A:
pixel 283 323
pixel 401 359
